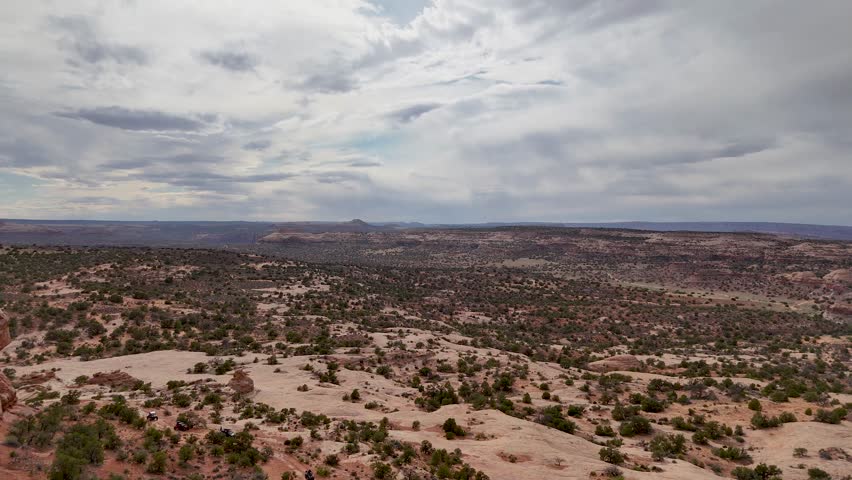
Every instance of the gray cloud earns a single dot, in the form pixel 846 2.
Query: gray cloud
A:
pixel 257 145
pixel 23 154
pixel 407 114
pixel 341 176
pixel 364 163
pixel 236 61
pixel 144 120
pixel 329 82
pixel 210 180
pixel 81 37
pixel 735 150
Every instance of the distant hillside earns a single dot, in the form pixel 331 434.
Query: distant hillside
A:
pixel 832 232
pixel 827 232
pixel 217 234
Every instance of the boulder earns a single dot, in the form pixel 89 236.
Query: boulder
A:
pixel 241 382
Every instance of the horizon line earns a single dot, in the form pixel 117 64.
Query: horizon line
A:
pixel 385 222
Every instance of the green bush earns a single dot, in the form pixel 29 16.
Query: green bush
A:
pixel 611 455
pixel 157 465
pixel 452 429
pixel 637 425
pixel 818 474
pixel 760 472
pixel 834 416
pixel 667 445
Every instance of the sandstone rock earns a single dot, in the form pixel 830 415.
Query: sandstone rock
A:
pixel 114 379
pixel 241 383
pixel 839 276
pixel 34 378
pixel 802 277
pixel 617 362
pixel 8 398
pixel 5 336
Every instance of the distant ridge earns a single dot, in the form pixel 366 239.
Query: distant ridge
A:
pixel 803 230
pixel 207 233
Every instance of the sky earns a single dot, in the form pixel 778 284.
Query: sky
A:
pixel 443 111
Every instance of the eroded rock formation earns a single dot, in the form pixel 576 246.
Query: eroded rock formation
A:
pixel 7 391
pixel 114 379
pixel 618 362
pixel 241 382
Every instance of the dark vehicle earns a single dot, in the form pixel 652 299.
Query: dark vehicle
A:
pixel 152 417
pixel 309 475
pixel 182 426
pixel 227 431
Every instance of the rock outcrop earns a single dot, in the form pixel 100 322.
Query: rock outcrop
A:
pixel 35 378
pixel 8 398
pixel 802 277
pixel 839 276
pixel 5 336
pixel 114 379
pixel 617 362
pixel 241 382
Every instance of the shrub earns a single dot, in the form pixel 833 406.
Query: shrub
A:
pixel 759 421
pixel 818 474
pixel 637 425
pixel 732 453
pixel 452 429
pixel 382 471
pixel 611 455
pixel 760 472
pixel 552 417
pixel 181 400
pixel 834 416
pixel 157 465
pixel 667 445
pixel 754 404
pixel 185 453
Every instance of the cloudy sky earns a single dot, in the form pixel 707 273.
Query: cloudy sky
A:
pixel 437 111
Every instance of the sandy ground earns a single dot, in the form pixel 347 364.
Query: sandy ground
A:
pixel 540 452
pixel 536 445
pixel 775 446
